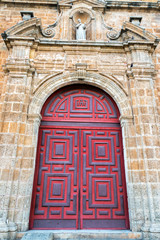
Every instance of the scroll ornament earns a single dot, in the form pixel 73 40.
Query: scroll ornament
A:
pixel 112 34
pixel 49 31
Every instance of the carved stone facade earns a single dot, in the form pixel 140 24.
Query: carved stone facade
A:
pixel 120 55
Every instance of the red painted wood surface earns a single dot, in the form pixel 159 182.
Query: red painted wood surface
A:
pixel 79 176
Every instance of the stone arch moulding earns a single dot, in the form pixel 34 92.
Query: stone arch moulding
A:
pixel 82 8
pixel 106 83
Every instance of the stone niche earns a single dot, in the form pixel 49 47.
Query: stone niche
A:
pixel 86 18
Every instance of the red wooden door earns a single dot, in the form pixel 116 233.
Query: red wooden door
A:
pixel 79 178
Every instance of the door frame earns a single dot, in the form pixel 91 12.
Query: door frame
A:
pixel 120 96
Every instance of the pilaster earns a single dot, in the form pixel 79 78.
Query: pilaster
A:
pixel 141 74
pixel 18 70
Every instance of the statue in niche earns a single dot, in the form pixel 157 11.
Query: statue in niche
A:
pixel 80 31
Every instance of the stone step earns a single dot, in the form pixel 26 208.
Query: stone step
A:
pixel 81 235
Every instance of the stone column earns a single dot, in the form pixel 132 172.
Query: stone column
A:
pixel 128 131
pixel 17 91
pixel 144 153
pixel 28 167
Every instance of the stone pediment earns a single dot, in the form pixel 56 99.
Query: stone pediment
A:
pixel 133 32
pixel 29 28
pixel 93 3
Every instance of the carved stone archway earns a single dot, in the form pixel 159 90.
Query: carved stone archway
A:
pixel 110 85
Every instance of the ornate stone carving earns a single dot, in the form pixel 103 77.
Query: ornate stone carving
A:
pixel 49 31
pixel 112 34
pixel 32 29
pixel 81 70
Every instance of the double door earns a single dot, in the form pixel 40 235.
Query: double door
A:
pixel 79 178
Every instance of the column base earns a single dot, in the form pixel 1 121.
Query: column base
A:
pixel 155 228
pixel 8 230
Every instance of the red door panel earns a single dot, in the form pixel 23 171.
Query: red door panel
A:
pixel 79 176
pixel 55 195
pixel 103 195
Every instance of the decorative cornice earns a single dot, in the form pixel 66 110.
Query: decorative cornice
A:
pixel 108 4
pixel 93 3
pixel 132 4
pixel 40 2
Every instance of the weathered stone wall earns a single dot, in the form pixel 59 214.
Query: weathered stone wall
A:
pixel 128 71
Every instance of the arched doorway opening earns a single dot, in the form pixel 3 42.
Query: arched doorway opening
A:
pixel 79 176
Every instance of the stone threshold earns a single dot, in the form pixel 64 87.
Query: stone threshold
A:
pixel 79 234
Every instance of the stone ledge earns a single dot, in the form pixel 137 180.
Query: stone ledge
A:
pixel 132 4
pixel 92 43
pixel 40 2
pixel 81 234
pixel 108 4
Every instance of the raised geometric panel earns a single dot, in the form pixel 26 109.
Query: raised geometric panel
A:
pixel 59 149
pixel 63 180
pixel 57 189
pixel 101 151
pixel 102 188
pixel 80 105
pixel 110 200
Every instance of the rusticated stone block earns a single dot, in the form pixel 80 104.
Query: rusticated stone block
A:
pixel 13 127
pixel 5 174
pixel 150 153
pixel 22 128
